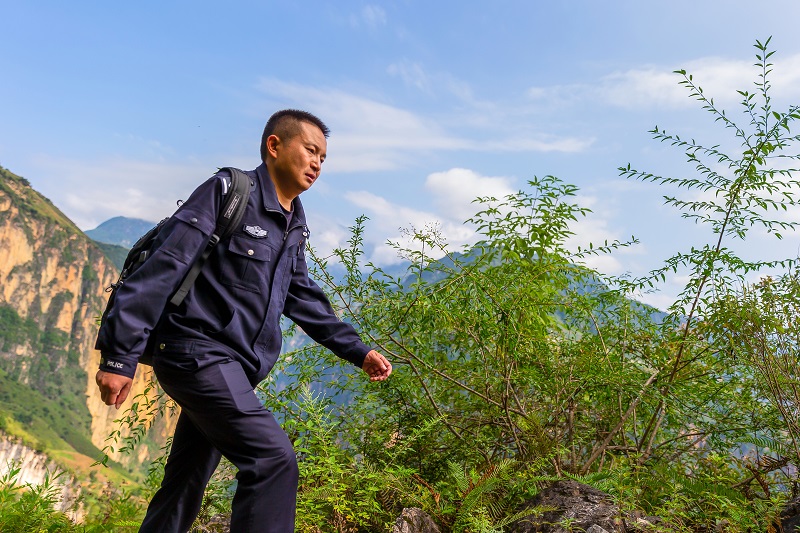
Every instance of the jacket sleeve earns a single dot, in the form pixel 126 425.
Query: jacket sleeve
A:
pixel 141 299
pixel 308 307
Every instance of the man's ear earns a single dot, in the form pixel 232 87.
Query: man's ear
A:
pixel 273 144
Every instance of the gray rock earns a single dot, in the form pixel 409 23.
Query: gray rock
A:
pixel 219 523
pixel 578 507
pixel 790 517
pixel 414 520
pixel 637 524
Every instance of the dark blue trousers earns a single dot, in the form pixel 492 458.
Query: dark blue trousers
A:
pixel 221 416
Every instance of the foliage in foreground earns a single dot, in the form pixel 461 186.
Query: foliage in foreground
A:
pixel 515 364
pixel 34 508
pixel 521 353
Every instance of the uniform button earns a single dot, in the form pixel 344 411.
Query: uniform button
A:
pixel 250 252
pixel 193 221
pixel 162 346
pixel 305 234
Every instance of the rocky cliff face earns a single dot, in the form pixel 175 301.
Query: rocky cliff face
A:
pixel 52 280
pixel 34 468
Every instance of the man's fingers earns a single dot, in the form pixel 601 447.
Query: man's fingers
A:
pixel 109 397
pixel 377 366
pixel 114 389
pixel 387 366
pixel 381 369
pixel 122 396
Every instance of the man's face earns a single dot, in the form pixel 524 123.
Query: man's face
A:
pixel 298 160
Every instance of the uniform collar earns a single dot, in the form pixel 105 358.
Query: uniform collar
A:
pixel 270 197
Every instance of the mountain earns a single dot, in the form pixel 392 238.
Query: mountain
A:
pixel 121 231
pixel 117 235
pixel 52 279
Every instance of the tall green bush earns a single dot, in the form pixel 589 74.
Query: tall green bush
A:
pixel 520 352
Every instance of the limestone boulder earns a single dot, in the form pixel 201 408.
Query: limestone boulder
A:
pixel 790 517
pixel 414 520
pixel 576 507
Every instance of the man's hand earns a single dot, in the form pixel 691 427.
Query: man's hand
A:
pixel 114 388
pixel 377 366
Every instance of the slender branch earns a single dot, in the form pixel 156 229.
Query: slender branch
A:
pixel 433 402
pixel 444 376
pixel 602 448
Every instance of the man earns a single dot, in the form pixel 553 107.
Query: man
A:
pixel 214 348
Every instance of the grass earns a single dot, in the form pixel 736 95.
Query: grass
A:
pixel 46 426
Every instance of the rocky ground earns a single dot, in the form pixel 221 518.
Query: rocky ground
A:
pixel 576 507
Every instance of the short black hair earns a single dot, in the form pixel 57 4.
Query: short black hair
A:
pixel 285 124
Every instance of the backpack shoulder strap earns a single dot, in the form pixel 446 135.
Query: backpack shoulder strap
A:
pixel 228 219
pixel 235 203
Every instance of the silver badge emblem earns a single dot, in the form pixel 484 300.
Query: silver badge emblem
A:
pixel 255 231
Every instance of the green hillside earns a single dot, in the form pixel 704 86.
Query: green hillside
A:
pixel 114 252
pixel 47 425
pixel 34 203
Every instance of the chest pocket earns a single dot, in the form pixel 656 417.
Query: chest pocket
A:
pixel 247 263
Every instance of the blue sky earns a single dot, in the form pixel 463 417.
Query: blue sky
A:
pixel 122 108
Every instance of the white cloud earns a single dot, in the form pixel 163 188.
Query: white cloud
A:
pixel 642 88
pixel 90 192
pixel 452 193
pixel 657 86
pixel 393 222
pixel 374 16
pixel 658 300
pixel 595 229
pixel 558 96
pixel 607 264
pixel 455 190
pixel 387 220
pixel 543 144
pixel 412 75
pixel 390 213
pixel 368 135
pixel 371 16
pixel 326 234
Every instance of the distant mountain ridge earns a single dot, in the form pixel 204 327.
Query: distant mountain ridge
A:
pixel 121 231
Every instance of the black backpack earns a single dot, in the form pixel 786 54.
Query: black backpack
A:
pixel 228 219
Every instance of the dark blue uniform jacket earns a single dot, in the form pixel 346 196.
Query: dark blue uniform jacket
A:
pixel 234 307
